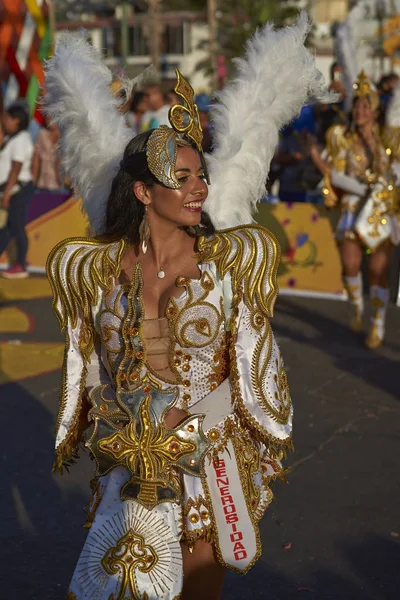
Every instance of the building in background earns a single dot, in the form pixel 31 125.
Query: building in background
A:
pixel 126 34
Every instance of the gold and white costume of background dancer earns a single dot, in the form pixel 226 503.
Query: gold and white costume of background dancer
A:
pixel 364 185
pixel 213 355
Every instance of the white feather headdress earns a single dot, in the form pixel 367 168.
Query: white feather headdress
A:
pixel 275 79
pixel 93 133
pixel 351 53
pixel 393 111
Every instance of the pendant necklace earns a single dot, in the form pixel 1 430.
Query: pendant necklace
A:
pixel 161 272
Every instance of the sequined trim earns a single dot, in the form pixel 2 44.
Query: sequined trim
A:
pixel 66 451
pixel 251 254
pixel 76 268
pixel 274 444
pixel 246 469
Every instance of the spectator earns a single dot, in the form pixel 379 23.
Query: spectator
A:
pixel 157 113
pixel 16 184
pixel 296 162
pixel 336 84
pixel 134 116
pixel 171 97
pixel 386 87
pixel 46 165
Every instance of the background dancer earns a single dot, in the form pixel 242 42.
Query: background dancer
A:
pixel 362 159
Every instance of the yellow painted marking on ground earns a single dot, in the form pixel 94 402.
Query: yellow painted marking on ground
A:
pixel 24 289
pixel 22 360
pixel 13 320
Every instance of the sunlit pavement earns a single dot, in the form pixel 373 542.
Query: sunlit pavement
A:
pixel 333 532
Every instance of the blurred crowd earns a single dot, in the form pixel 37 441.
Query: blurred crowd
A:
pixel 30 163
pixel 296 171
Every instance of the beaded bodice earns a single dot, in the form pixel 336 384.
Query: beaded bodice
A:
pixel 186 349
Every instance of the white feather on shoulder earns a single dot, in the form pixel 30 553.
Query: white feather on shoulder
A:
pixel 275 79
pixel 93 133
pixel 393 111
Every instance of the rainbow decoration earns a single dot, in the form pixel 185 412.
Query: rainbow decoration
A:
pixel 25 43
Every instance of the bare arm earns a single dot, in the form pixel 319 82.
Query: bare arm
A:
pixel 35 166
pixel 318 160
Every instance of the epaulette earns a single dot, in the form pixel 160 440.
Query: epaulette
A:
pixel 251 254
pixel 76 268
pixel 336 139
pixel 391 141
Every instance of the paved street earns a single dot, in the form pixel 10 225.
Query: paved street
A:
pixel 332 533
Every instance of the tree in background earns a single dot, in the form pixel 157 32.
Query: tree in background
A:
pixel 238 20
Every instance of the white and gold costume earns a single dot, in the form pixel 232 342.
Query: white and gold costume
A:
pixel 212 355
pixel 363 182
pixel 218 333
pixel 370 184
pixel 366 178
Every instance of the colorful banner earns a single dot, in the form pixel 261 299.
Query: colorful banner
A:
pixel 25 42
pixel 310 263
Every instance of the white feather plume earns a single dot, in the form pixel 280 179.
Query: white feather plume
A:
pixel 351 53
pixel 275 79
pixel 393 110
pixel 93 133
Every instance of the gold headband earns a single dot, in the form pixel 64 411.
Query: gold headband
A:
pixel 363 88
pixel 162 145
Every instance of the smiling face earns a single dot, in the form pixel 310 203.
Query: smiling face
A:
pixel 362 112
pixel 181 207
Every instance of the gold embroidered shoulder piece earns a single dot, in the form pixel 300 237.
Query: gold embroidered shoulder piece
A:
pixel 76 268
pixel 391 141
pixel 337 142
pixel 251 253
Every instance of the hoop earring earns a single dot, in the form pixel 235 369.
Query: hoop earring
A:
pixel 144 231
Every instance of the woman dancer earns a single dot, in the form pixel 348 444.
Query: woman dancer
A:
pixel 171 370
pixel 361 161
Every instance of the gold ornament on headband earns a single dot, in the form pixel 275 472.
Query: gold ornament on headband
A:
pixel 185 118
pixel 162 145
pixel 363 88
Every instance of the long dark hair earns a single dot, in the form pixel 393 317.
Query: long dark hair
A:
pixel 124 212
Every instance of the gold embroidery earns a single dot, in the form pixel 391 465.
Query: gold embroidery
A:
pixel 336 146
pixel 132 325
pixel 258 372
pixel 70 596
pixel 220 368
pixel 346 153
pixel 196 504
pixel 252 256
pixel 198 322
pixel 75 280
pixel 94 502
pixel 237 435
pixel 248 459
pixel 148 449
pixel 131 553
pixel 66 451
pixel 206 533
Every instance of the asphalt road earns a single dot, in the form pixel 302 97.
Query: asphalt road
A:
pixel 332 533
